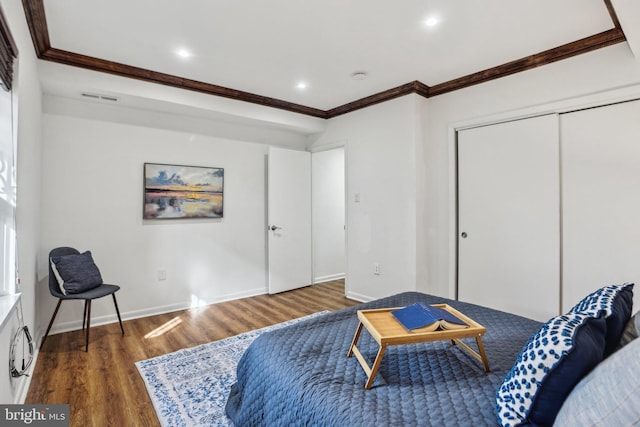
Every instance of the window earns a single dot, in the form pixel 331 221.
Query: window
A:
pixel 7 196
pixel 8 53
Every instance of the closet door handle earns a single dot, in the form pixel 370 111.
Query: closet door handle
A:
pixel 463 235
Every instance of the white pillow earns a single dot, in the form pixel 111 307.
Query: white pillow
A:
pixel 608 396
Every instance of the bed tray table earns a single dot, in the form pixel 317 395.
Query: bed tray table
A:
pixel 387 331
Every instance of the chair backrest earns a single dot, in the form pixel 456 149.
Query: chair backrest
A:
pixel 54 288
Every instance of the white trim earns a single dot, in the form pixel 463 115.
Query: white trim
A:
pixel 328 278
pixel 590 100
pixel 453 211
pixel 346 217
pixel 326 147
pixel 359 297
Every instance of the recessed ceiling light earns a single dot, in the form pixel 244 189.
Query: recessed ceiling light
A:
pixel 302 85
pixel 184 53
pixel 359 75
pixel 432 21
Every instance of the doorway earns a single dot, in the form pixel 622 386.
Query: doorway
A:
pixel 328 215
pixel 306 218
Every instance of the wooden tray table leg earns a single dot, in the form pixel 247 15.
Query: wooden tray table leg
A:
pixel 483 355
pixel 355 339
pixel 479 355
pixel 375 367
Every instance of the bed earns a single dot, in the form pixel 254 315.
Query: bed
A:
pixel 301 375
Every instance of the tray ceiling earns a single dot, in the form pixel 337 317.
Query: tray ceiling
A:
pixel 266 51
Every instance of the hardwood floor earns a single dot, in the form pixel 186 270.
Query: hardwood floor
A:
pixel 103 386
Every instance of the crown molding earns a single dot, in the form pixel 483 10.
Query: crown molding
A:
pixel 387 95
pixel 598 41
pixel 37 22
pixel 123 70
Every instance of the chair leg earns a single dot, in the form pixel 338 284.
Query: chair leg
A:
pixel 84 315
pixel 88 305
pixel 118 312
pixel 55 312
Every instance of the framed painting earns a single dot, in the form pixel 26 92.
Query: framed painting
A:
pixel 175 191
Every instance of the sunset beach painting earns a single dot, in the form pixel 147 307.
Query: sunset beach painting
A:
pixel 174 191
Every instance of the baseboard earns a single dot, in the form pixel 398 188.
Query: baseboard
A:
pixel 328 278
pixel 359 297
pixel 75 325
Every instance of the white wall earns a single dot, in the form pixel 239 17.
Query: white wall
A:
pixel 381 173
pixel 29 98
pixel 550 87
pixel 328 214
pixel 92 200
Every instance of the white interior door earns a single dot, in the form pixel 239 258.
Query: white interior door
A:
pixel 508 217
pixel 601 199
pixel 289 219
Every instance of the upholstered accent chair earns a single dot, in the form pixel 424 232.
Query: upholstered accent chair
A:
pixel 74 276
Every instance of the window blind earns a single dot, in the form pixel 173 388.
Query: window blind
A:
pixel 8 53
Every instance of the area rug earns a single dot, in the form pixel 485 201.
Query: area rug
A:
pixel 190 387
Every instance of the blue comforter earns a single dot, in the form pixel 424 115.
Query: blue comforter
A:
pixel 301 375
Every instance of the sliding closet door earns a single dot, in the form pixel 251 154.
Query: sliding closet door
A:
pixel 508 216
pixel 601 199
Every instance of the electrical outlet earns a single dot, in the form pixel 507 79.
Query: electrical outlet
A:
pixel 376 268
pixel 162 275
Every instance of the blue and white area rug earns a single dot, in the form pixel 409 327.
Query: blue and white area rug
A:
pixel 190 387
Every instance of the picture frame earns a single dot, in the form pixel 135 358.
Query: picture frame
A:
pixel 181 192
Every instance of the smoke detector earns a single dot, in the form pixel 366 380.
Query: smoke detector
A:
pixel 359 75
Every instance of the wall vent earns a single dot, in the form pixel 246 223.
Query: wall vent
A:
pixel 100 97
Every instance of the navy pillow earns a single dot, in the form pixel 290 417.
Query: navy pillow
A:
pixel 78 272
pixel 552 362
pixel 616 301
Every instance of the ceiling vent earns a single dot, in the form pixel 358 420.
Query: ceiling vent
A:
pixel 99 97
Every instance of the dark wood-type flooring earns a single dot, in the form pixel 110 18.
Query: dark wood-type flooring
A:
pixel 103 386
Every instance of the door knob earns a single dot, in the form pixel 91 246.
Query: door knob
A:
pixel 463 235
pixel 274 228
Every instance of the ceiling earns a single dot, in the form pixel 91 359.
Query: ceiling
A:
pixel 261 51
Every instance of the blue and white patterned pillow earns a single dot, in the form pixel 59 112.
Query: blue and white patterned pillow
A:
pixel 602 299
pixel 552 362
pixel 616 301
